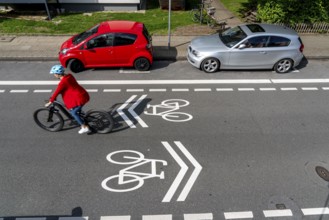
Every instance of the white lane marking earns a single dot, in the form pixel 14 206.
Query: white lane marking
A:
pixel 203 216
pixel 158 90
pixel 277 213
pixel 180 174
pixel 246 89
pixel 267 89
pixel 310 88
pixel 289 89
pixel 123 217
pixel 73 218
pixel 35 218
pixel 180 90
pixel 112 90
pixel 135 90
pixel 202 89
pixel 92 90
pixel 2 91
pixel 299 80
pixel 325 88
pixel 19 91
pixel 193 176
pixel 316 211
pixel 238 215
pixel 132 71
pixel 42 90
pixel 133 113
pixel 157 217
pixel 224 89
pixel 123 115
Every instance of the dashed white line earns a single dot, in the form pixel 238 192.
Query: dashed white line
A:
pixel 267 89
pixel 310 88
pixel 289 89
pixel 277 213
pixel 19 91
pixel 246 89
pixel 124 217
pixel 112 90
pixel 2 91
pixel 157 217
pixel 158 90
pixel 238 215
pixel 180 90
pixel 92 90
pixel 42 90
pixel 224 89
pixel 35 218
pixel 73 218
pixel 325 88
pixel 202 89
pixel 316 211
pixel 135 90
pixel 203 216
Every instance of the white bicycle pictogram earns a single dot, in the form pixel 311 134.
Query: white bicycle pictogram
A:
pixel 169 108
pixel 127 176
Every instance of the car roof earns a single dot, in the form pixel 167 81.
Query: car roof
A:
pixel 272 29
pixel 120 26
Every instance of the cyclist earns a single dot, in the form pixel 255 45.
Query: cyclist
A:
pixel 74 96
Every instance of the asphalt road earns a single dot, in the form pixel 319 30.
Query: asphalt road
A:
pixel 248 145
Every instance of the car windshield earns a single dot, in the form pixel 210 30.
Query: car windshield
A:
pixel 84 35
pixel 232 36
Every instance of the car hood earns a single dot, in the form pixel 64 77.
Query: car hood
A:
pixel 68 44
pixel 208 43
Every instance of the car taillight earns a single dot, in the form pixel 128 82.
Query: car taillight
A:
pixel 301 48
pixel 149 47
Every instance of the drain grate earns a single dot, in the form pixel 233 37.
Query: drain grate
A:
pixel 6 39
pixel 322 172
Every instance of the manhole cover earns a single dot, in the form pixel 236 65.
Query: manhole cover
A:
pixel 322 172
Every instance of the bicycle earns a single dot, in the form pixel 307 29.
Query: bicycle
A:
pixel 169 114
pixel 50 118
pixel 126 177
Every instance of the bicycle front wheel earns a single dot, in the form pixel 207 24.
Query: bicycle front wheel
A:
pixel 100 121
pixel 48 120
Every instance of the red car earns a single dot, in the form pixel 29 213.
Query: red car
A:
pixel 109 44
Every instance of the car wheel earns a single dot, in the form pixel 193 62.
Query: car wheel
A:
pixel 283 66
pixel 142 64
pixel 210 65
pixel 75 66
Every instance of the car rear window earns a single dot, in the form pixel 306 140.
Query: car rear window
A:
pixel 146 34
pixel 276 41
pixel 254 28
pixel 122 39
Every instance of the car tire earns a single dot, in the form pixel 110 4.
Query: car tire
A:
pixel 210 65
pixel 75 66
pixel 283 66
pixel 142 64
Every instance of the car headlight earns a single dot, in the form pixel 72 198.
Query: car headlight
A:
pixel 64 51
pixel 196 53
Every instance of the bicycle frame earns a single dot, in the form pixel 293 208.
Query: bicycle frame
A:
pixel 125 172
pixel 61 108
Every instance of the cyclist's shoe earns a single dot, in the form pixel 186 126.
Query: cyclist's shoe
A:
pixel 84 130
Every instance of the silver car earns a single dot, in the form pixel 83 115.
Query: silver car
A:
pixel 248 46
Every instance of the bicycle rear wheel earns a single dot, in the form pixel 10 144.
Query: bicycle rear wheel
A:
pixel 100 121
pixel 48 119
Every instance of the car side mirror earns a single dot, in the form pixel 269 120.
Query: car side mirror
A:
pixel 242 46
pixel 90 44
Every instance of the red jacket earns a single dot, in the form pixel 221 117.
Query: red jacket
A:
pixel 72 93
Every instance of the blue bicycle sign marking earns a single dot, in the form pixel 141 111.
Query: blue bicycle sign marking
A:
pixel 168 110
pixel 122 181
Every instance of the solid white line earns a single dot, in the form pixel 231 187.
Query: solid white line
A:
pixel 310 88
pixel 135 90
pixel 19 91
pixel 300 80
pixel 224 89
pixel 289 89
pixel 316 211
pixel 112 90
pixel 203 216
pixel 277 213
pixel 180 90
pixel 92 90
pixel 193 176
pixel 246 89
pixel 238 215
pixel 157 217
pixel 42 90
pixel 202 90
pixel 158 90
pixel 123 217
pixel 132 71
pixel 123 115
pixel 180 174
pixel 267 89
pixel 133 113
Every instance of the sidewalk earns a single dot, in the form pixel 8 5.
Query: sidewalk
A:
pixel 46 48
